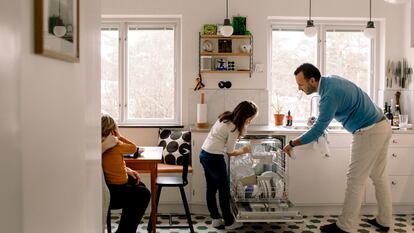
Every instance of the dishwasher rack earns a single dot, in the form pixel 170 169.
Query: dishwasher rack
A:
pixel 259 181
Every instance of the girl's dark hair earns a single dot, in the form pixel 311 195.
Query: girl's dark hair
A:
pixel 240 114
pixel 309 71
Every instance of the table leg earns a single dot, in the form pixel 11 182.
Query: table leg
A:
pixel 154 199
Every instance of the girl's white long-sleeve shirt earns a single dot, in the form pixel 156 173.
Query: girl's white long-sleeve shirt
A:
pixel 221 139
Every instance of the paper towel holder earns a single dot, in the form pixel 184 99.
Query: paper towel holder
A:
pixel 202 113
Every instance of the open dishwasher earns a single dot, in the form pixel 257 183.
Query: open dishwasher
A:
pixel 259 182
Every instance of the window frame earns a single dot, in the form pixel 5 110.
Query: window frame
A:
pixel 322 27
pixel 145 22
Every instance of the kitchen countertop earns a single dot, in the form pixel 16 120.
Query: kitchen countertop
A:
pixel 297 129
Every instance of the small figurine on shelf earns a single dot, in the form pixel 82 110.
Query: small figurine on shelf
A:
pixel 221 64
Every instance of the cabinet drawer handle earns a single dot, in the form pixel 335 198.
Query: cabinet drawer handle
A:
pixel 394 155
pixel 393 182
pixel 394 141
pixel 327 156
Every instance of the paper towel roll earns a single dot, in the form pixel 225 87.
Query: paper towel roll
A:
pixel 201 113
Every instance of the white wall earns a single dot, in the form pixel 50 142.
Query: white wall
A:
pixel 10 155
pixel 195 13
pixel 50 172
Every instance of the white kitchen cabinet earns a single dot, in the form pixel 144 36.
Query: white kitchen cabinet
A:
pixel 400 170
pixel 198 182
pixel 320 179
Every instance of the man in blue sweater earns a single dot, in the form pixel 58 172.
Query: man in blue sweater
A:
pixel 342 100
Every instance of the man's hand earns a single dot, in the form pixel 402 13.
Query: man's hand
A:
pixel 134 174
pixel 287 149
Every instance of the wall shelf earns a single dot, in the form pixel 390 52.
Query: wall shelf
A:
pixel 225 71
pixel 226 37
pixel 225 54
pixel 218 56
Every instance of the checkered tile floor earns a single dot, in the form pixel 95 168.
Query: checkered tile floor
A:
pixel 202 224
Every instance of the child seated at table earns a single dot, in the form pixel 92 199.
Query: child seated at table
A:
pixel 126 189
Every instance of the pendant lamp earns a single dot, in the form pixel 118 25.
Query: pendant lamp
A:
pixel 310 29
pixel 369 31
pixel 227 29
pixel 59 29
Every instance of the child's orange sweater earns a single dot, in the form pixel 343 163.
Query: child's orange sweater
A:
pixel 113 161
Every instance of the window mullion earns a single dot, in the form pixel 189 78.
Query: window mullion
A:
pixel 322 50
pixel 123 64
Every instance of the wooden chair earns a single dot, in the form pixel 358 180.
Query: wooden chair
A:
pixel 180 182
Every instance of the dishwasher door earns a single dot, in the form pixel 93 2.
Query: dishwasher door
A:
pixel 258 182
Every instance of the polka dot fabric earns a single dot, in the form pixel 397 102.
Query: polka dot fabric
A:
pixel 175 144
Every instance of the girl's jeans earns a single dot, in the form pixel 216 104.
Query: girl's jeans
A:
pixel 215 170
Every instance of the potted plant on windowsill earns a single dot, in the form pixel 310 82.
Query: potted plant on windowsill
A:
pixel 278 115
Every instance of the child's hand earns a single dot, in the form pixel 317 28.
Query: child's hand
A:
pixel 116 133
pixel 134 174
pixel 247 149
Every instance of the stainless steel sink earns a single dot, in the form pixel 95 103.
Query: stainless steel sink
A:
pixel 301 127
pixel 330 128
pixel 336 127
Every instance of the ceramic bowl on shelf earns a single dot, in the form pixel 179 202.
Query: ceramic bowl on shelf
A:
pixel 245 48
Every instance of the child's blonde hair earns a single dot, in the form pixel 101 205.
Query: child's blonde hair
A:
pixel 108 125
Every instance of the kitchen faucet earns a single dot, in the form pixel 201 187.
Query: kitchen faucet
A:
pixel 314 111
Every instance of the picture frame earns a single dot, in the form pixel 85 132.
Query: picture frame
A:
pixel 225 46
pixel 56 29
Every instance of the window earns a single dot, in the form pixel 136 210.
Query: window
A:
pixel 140 72
pixel 341 50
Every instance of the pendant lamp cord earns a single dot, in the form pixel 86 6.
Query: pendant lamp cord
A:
pixel 370 7
pixel 227 9
pixel 59 8
pixel 310 9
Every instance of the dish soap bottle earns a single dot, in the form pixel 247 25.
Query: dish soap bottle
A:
pixel 289 119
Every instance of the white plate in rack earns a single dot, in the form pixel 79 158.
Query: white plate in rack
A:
pixel 274 181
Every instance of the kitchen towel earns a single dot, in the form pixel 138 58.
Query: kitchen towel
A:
pixel 322 144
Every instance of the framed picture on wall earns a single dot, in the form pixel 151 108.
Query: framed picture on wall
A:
pixel 57 29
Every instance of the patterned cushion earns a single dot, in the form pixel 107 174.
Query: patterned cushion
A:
pixel 175 144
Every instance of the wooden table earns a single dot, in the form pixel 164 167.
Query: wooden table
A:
pixel 148 162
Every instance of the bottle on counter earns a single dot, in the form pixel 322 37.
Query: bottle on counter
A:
pixel 289 119
pixel 385 108
pixel 389 116
pixel 397 112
